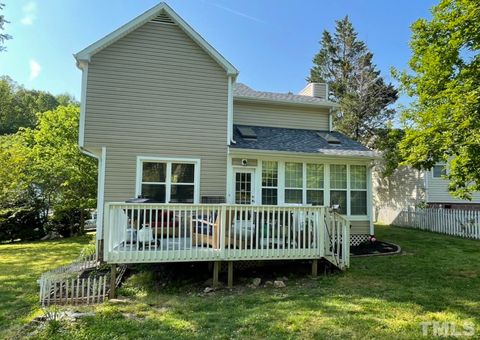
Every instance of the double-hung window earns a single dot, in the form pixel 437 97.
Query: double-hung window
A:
pixel 338 186
pixel 293 182
pixel 169 181
pixel 358 190
pixel 304 183
pixel 315 182
pixel 269 182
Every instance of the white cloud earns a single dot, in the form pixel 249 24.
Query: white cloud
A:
pixel 35 69
pixel 29 13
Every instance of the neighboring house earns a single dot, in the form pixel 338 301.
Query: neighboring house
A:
pixel 408 188
pixel 163 113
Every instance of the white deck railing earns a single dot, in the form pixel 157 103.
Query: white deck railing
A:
pixel 137 233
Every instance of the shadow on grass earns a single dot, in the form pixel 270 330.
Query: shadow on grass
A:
pixel 437 278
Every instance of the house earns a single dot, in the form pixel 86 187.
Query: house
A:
pixel 231 173
pixel 409 188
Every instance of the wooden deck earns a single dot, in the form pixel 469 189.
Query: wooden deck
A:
pixel 141 233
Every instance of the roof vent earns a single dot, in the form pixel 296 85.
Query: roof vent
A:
pixel 163 18
pixel 246 132
pixel 331 139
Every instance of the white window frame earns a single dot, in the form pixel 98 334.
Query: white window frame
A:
pixel 305 173
pixel 346 189
pixel 168 180
pixel 353 189
pixel 301 188
pixel 277 187
pixel 304 186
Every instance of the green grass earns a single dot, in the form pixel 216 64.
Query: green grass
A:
pixel 21 265
pixel 436 279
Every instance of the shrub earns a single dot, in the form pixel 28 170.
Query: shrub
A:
pixel 67 221
pixel 20 223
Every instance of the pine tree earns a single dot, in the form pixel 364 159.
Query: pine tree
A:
pixel 346 64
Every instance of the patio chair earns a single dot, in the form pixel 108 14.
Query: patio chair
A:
pixel 205 230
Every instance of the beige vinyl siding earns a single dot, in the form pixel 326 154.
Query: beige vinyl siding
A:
pixel 359 227
pixel 438 191
pixel 280 116
pixel 156 93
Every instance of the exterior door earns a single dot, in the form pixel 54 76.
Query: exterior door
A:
pixel 245 186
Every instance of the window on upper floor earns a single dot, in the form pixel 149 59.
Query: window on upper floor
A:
pixel 438 171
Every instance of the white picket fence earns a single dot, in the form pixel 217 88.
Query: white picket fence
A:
pixel 463 223
pixel 74 291
pixel 64 285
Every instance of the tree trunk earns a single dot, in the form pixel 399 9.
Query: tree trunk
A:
pixel 82 222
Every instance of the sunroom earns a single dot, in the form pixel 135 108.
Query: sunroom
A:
pixel 282 166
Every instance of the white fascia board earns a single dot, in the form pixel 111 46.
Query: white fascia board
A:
pixel 267 153
pixel 88 52
pixel 248 99
pixel 83 102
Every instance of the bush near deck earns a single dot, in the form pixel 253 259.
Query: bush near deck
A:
pixel 436 279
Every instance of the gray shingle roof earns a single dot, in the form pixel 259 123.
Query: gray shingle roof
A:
pixel 299 140
pixel 243 91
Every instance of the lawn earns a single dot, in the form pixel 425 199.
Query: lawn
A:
pixel 437 278
pixel 21 264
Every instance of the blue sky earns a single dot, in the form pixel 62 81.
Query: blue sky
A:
pixel 272 43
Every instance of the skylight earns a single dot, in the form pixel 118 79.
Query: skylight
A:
pixel 329 138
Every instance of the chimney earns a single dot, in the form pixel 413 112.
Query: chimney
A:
pixel 318 90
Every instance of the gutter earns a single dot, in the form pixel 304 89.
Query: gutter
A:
pixel 247 99
pixel 371 156
pixel 88 153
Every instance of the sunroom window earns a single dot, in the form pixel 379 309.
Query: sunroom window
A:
pixel 315 182
pixel 338 187
pixel 358 190
pixel 168 181
pixel 269 182
pixel 293 182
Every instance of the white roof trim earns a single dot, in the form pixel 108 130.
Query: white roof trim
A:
pixel 326 104
pixel 322 153
pixel 87 53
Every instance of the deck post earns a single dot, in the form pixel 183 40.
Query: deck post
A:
pixel 314 267
pixel 113 281
pixel 216 269
pixel 230 274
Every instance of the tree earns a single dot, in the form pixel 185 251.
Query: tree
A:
pixel 443 121
pixel 66 177
pixel 3 36
pixel 43 167
pixel 18 106
pixel 346 64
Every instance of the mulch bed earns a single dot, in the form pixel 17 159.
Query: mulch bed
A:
pixel 374 248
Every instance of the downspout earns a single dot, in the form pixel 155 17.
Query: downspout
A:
pixel 330 120
pixel 230 110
